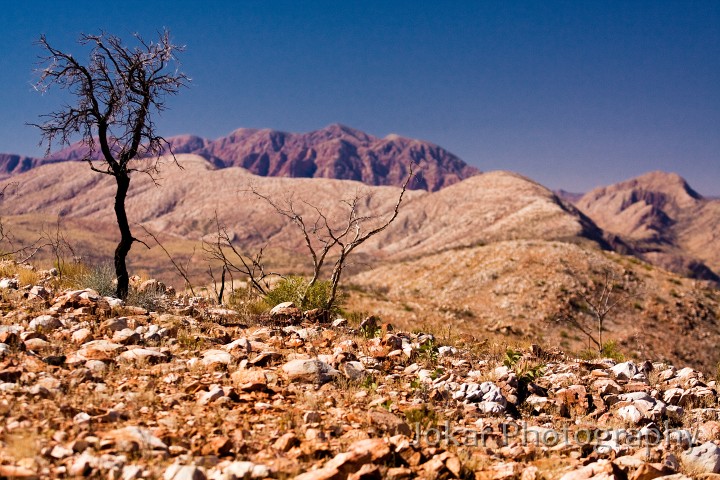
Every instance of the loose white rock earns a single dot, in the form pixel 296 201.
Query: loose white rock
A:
pixel 625 370
pixel 243 470
pixel 630 414
pixel 215 357
pixel 703 458
pixel 46 323
pixel 184 472
pixel 309 370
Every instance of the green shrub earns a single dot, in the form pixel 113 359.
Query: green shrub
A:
pixel 612 350
pixel 291 289
pixel 423 416
pixel 511 357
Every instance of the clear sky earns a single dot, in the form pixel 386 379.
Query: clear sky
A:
pixel 573 94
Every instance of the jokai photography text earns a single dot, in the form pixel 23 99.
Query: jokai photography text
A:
pixel 600 439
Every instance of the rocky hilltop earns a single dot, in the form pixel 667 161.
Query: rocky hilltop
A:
pixel 526 290
pixel 664 220
pixel 336 151
pixel 94 387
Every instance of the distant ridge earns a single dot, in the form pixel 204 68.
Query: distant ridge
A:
pixel 336 151
pixel 664 220
pixel 340 152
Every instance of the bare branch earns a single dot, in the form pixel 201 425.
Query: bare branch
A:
pixel 250 266
pixel 601 299
pixel 321 237
pixel 183 271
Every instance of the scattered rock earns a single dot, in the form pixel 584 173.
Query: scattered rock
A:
pixel 389 423
pixel 309 371
pixel 82 335
pixel 9 284
pixel 143 354
pixel 134 439
pixel 245 470
pixel 624 371
pixel 286 442
pixel 126 337
pixel 184 472
pixel 45 323
pixel 214 358
pixel 703 458
pixel 249 380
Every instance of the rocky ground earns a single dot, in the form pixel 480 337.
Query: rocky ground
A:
pixel 188 390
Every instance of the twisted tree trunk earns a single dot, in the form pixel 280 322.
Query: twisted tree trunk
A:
pixel 126 238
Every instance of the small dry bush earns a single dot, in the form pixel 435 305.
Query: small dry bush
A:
pixel 247 302
pixel 151 299
pixel 8 268
pixel 27 276
pixel 293 288
pixel 100 278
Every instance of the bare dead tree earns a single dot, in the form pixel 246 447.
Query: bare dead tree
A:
pixel 599 299
pixel 17 249
pixel 59 246
pixel 323 236
pixel 234 262
pixel 117 93
pixel 5 236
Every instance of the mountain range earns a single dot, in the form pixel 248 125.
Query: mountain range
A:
pixel 336 151
pixel 657 217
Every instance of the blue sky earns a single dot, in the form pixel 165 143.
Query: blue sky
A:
pixel 572 94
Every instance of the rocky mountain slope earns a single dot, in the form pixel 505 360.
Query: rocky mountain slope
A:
pixel 92 387
pixel 527 290
pixel 336 152
pixel 493 253
pixel 664 220
pixel 484 208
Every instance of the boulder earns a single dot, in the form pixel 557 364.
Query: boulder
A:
pixel 183 472
pixel 704 458
pixel 309 370
pixel 45 323
pixel 624 371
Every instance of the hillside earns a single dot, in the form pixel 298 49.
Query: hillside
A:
pixel 336 151
pixel 522 290
pixel 664 220
pixel 484 208
pixel 11 164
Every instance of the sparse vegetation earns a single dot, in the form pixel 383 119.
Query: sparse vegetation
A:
pixel 610 350
pixel 324 235
pixel 247 302
pixel 597 299
pixel 151 298
pixel 307 297
pixel 423 416
pixel 100 278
